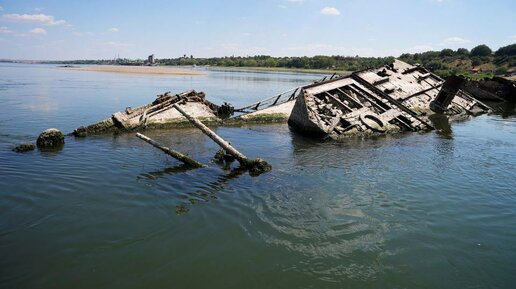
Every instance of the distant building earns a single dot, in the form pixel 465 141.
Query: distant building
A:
pixel 151 59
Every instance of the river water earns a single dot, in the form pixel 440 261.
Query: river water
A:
pixel 434 210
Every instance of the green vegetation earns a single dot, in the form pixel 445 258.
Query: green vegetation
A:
pixel 509 50
pixel 481 50
pixel 477 64
pixel 332 63
pixel 481 62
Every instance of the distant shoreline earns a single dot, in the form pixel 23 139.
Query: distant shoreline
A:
pixel 135 69
pixel 283 69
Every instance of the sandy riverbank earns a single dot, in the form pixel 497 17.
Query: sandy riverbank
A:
pixel 136 69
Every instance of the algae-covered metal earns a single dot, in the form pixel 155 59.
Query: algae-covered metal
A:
pixel 387 99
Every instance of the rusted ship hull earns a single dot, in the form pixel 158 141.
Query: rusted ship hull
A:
pixel 387 99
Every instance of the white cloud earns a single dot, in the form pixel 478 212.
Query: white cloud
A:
pixel 456 40
pixel 5 30
pixel 332 11
pixel 296 1
pixel 38 18
pixel 38 9
pixel 113 29
pixel 1 8
pixel 39 31
pixel 282 6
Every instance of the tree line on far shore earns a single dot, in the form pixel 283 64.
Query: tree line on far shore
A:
pixel 480 60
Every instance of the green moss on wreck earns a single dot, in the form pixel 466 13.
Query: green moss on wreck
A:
pixel 108 126
pixel 258 118
pixel 51 137
pixel 105 126
pixel 24 148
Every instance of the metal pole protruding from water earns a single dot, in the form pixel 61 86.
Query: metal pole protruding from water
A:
pixel 175 154
pixel 255 166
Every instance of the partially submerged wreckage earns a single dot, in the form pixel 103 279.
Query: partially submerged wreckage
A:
pixel 157 114
pixel 393 98
pixel 388 99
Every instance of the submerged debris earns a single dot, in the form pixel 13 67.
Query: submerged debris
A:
pixel 173 153
pixel 493 89
pixel 388 99
pixel 50 138
pixel 160 114
pixel 182 209
pixel 24 148
pixel 221 156
pixel 255 167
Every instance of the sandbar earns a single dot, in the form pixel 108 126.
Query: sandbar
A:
pixel 136 69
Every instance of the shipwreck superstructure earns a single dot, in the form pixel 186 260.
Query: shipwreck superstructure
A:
pixel 393 98
pixel 159 113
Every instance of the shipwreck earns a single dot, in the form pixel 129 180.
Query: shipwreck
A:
pixel 159 113
pixel 389 99
pixel 393 98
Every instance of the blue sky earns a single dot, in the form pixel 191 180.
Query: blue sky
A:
pixel 93 29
